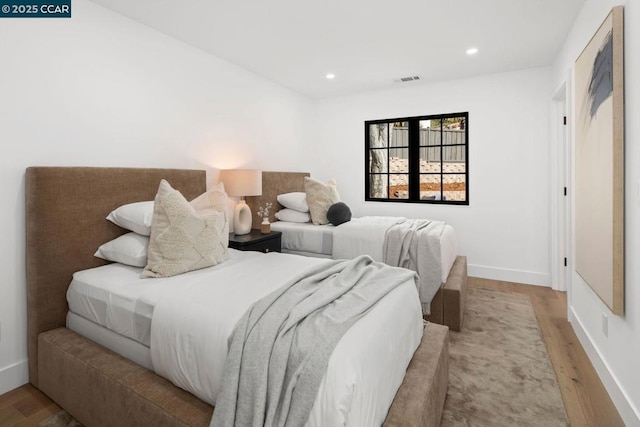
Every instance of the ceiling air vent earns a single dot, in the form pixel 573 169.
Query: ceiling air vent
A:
pixel 407 79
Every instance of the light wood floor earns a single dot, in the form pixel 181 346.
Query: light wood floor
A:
pixel 585 398
pixel 25 406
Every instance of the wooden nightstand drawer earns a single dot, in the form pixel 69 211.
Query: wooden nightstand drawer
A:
pixel 256 241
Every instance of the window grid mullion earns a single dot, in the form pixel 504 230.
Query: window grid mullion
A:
pixel 388 160
pixel 414 160
pixel 441 159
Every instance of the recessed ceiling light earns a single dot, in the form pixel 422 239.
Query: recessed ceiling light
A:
pixel 331 76
pixel 472 51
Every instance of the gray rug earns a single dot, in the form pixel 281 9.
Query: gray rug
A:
pixel 61 419
pixel 500 373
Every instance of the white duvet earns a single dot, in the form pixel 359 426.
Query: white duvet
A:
pixel 363 236
pixel 366 236
pixel 192 324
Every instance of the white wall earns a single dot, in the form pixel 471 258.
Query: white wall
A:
pixel 504 231
pixel 616 356
pixel 101 90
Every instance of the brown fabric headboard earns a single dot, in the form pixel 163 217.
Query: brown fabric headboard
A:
pixel 274 183
pixel 66 210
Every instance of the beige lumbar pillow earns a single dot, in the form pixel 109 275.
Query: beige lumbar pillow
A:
pixel 187 236
pixel 320 197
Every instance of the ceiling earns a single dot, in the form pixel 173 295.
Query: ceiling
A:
pixel 367 44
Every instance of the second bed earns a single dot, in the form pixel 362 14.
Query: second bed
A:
pixel 447 305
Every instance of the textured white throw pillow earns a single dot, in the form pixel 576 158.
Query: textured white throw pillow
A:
pixel 296 201
pixel 186 236
pixel 129 249
pixel 290 215
pixel 320 197
pixel 134 216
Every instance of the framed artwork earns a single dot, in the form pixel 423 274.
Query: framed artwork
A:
pixel 599 162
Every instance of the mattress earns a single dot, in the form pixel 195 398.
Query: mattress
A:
pixel 448 250
pixel 124 346
pixel 303 253
pixel 113 306
pixel 315 240
pixel 114 295
pixel 305 237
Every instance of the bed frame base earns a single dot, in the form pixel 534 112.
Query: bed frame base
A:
pixel 101 388
pixel 447 306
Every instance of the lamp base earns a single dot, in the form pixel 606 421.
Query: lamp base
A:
pixel 242 218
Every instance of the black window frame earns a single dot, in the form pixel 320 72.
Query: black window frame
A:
pixel 414 160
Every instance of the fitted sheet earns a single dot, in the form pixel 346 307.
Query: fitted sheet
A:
pixel 305 237
pixel 311 240
pixel 303 253
pixel 114 296
pixel 117 343
pixel 448 250
pixel 365 369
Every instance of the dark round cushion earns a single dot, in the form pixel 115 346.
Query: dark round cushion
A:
pixel 339 213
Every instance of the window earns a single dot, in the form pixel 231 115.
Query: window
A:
pixel 418 159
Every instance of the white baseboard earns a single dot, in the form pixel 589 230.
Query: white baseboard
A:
pixel 13 376
pixel 507 275
pixel 630 415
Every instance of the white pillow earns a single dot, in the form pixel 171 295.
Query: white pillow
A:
pixel 290 215
pixel 187 236
pixel 296 201
pixel 134 216
pixel 129 249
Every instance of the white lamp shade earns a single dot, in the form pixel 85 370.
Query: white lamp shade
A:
pixel 242 182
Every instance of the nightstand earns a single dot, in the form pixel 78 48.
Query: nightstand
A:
pixel 256 241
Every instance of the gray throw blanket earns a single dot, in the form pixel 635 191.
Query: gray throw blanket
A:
pixel 415 244
pixel 281 347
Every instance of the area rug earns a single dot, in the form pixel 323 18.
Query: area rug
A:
pixel 61 419
pixel 500 373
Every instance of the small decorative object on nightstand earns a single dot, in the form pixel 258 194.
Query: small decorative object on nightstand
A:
pixel 255 240
pixel 263 211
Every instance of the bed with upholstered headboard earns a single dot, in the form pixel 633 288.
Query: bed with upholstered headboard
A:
pixel 447 306
pixel 274 183
pixel 66 209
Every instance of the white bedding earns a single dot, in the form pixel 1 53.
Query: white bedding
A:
pixel 448 250
pixel 305 237
pixel 362 236
pixel 340 243
pixel 125 347
pixel 115 296
pixel 364 371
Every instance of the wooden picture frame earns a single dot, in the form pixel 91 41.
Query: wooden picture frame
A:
pixel 599 162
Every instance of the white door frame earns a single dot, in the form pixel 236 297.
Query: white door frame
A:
pixel 560 212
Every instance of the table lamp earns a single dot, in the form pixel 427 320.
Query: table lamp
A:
pixel 242 183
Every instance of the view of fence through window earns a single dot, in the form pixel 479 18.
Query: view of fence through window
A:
pixel 440 171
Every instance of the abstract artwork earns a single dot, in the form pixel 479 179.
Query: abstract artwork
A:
pixel 599 162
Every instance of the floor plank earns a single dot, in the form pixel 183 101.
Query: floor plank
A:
pixel 10 416
pixel 34 402
pixel 585 398
pixel 10 397
pixel 33 420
